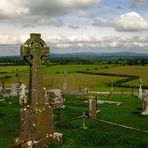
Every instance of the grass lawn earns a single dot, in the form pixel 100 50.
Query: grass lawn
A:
pixel 97 135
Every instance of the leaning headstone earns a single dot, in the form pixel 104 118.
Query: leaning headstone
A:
pixel 36 119
pixel 13 91
pixel 92 108
pixel 145 103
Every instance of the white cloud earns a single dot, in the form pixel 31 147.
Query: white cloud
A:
pixel 131 21
pixel 81 43
pixel 12 9
pixel 106 43
pixel 74 26
pixel 35 13
pixel 7 39
pixel 25 9
pixel 83 13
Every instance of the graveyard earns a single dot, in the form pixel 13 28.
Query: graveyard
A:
pixel 74 74
pixel 72 105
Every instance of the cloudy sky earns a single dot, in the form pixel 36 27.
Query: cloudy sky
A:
pixel 69 26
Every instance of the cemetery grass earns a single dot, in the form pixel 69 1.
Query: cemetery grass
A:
pixel 98 134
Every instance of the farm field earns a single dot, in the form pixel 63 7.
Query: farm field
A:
pixel 102 134
pixel 54 77
pixel 140 71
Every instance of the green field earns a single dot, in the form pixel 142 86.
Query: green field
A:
pixel 98 134
pixel 54 78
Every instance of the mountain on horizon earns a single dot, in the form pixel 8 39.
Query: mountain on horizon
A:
pixel 91 54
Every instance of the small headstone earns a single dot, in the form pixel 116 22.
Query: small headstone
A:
pixel 112 88
pixel 85 91
pixel 65 81
pixel 140 89
pixel 13 91
pixel 22 94
pixel 145 103
pixel 55 98
pixel 3 89
pixel 92 108
pixel 17 76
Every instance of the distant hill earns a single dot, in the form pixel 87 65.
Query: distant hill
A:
pixel 95 55
pixel 89 55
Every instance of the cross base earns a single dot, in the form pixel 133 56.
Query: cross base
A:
pixel 37 128
pixel 49 138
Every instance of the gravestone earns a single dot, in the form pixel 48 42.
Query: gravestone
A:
pixel 22 94
pixel 13 91
pixel 17 76
pixel 65 81
pixel 85 91
pixel 92 108
pixel 3 89
pixel 140 89
pixel 112 87
pixel 55 98
pixel 36 119
pixel 145 103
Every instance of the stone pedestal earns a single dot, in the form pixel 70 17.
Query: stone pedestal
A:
pixel 37 128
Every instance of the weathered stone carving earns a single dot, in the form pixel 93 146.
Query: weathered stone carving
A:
pixel 36 119
pixel 55 98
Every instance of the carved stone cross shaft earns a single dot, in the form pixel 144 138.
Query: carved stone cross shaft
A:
pixel 34 50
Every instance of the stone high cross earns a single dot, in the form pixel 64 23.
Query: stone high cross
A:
pixel 36 119
pixel 34 50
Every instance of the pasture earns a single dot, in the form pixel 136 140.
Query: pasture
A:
pixel 54 77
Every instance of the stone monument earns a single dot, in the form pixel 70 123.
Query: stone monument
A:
pixel 145 103
pixel 22 94
pixel 13 91
pixel 3 89
pixel 17 76
pixel 65 81
pixel 55 98
pixel 36 119
pixel 140 89
pixel 92 108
